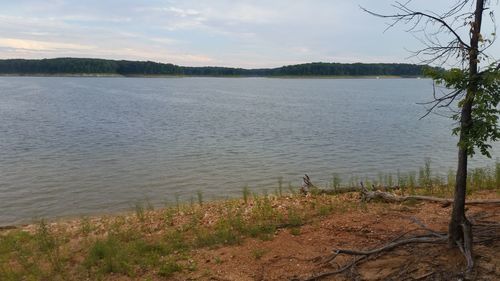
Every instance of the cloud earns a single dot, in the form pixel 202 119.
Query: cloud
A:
pixel 34 45
pixel 246 33
pixel 183 12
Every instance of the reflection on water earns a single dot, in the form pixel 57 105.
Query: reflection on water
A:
pixel 72 146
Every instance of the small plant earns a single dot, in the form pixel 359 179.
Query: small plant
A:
pixel 292 190
pixel 108 256
pixel 280 186
pixel 354 180
pixel 177 202
pixel 497 173
pixel 149 205
pixel 258 253
pixel 336 181
pixel 169 216
pixel 295 231
pixel 363 206
pixel 199 195
pixel 46 240
pixel 451 177
pixel 380 179
pixel 425 176
pixel 388 180
pixel 169 268
pixel 246 194
pixel 86 227
pixel 325 210
pixel 140 212
pixel 294 218
pixel 192 266
pixel 402 182
pixel 218 260
pixel 222 234
pixel 175 242
pixel 411 182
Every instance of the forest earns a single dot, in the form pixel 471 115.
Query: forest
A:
pixel 75 66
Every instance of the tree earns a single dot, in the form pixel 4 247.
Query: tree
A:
pixel 472 88
pixel 475 87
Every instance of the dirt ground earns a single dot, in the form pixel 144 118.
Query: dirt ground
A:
pixel 299 256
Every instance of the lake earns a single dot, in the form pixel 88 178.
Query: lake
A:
pixel 79 146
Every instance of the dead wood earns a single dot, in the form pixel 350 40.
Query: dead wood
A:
pixel 360 256
pixel 489 230
pixel 381 193
pixel 306 185
pixel 367 195
pixel 484 232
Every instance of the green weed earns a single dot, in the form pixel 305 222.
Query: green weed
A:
pixel 168 268
pixel 259 253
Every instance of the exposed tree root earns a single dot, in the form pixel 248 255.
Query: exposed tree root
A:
pixel 484 232
pixel 360 256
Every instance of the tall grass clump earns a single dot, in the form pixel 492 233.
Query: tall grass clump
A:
pixel 48 244
pixel 168 268
pixel 177 202
pixel 425 176
pixel 451 179
pixel 140 211
pixel 336 181
pixel 107 256
pixel 222 234
pixel 280 187
pixel 246 194
pixel 22 249
pixel 199 195
pixel 388 180
pixel 411 182
pixel 497 173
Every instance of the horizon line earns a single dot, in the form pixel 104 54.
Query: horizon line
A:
pixel 234 67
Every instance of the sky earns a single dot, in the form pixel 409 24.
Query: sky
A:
pixel 249 34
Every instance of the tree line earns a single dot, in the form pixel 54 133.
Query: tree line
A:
pixel 124 67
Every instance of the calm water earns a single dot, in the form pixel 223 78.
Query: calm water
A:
pixel 75 146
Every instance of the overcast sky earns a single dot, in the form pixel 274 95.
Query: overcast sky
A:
pixel 213 32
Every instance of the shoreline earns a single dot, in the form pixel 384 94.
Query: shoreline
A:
pixel 145 205
pixel 230 239
pixel 111 75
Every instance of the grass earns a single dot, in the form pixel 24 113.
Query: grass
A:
pixel 426 180
pixel 169 268
pixel 259 253
pixel 139 211
pixel 199 195
pixel 159 242
pixel 246 194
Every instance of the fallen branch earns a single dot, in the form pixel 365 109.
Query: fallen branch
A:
pixel 308 187
pixel 381 193
pixel 367 196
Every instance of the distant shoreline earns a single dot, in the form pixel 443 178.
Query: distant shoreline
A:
pixel 88 67
pixel 104 75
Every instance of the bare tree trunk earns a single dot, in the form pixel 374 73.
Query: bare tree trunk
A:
pixel 459 230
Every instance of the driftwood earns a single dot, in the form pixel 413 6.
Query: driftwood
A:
pixel 381 193
pixel 367 196
pixel 308 187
